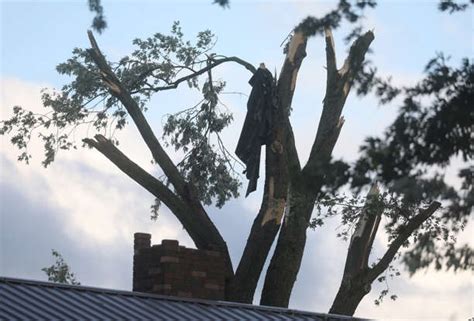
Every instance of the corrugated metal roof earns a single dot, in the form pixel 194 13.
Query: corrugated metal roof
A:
pixel 36 300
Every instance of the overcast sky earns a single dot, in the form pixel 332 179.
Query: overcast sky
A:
pixel 88 210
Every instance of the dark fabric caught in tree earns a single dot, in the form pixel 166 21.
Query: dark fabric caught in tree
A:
pixel 257 125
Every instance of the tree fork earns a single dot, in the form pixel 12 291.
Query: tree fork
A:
pixel 306 184
pixel 199 233
pixel 267 223
pixel 358 276
pixel 203 231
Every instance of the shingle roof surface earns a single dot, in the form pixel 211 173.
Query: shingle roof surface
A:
pixel 35 300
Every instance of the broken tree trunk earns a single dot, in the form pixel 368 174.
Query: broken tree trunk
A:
pixel 267 223
pixel 358 276
pixel 355 282
pixel 306 184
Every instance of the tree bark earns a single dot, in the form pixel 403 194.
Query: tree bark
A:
pixel 267 223
pixel 212 64
pixel 283 268
pixel 198 233
pixel 306 184
pixel 198 224
pixel 350 294
pixel 358 276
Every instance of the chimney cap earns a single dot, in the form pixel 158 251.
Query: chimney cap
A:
pixel 139 235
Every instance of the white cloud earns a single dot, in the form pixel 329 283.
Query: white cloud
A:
pixel 101 204
pixel 103 208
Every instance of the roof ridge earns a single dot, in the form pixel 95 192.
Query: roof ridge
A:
pixel 11 280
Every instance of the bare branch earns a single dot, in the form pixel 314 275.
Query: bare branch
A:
pixel 210 66
pixel 404 234
pixel 135 172
pixel 194 222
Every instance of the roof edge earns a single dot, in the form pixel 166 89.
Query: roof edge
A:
pixel 11 280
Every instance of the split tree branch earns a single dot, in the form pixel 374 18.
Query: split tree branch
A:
pixel 362 238
pixel 358 278
pixel 306 185
pixel 338 86
pixel 330 53
pixel 280 155
pixel 402 237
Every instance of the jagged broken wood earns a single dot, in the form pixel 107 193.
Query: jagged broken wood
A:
pixel 306 183
pixel 358 276
pixel 280 157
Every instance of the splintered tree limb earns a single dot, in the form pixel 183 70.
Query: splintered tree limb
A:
pixel 279 153
pixel 121 93
pixel 306 185
pixel 363 236
pixel 338 86
pixel 373 233
pixel 356 282
pixel 356 56
pixel 402 237
pixel 330 53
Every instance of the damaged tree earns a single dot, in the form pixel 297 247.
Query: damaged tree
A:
pixel 187 188
pixel 203 176
pixel 358 276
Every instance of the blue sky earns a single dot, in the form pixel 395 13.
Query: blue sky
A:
pixel 86 209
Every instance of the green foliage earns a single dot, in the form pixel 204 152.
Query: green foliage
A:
pixel 396 208
pixel 433 126
pixel 390 273
pixel 99 23
pixel 204 165
pixel 222 3
pixel 346 10
pixel 453 6
pixel 428 253
pixel 158 63
pixel 60 272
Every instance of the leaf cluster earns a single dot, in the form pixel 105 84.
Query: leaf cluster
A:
pixel 207 162
pixel 98 23
pixel 434 125
pixel 159 63
pixel 346 10
pixel 452 6
pixel 60 272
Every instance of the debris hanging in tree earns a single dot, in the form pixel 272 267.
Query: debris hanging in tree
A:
pixel 256 130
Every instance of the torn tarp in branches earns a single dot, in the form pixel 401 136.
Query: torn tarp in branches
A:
pixel 257 127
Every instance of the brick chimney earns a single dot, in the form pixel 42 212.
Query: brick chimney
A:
pixel 171 269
